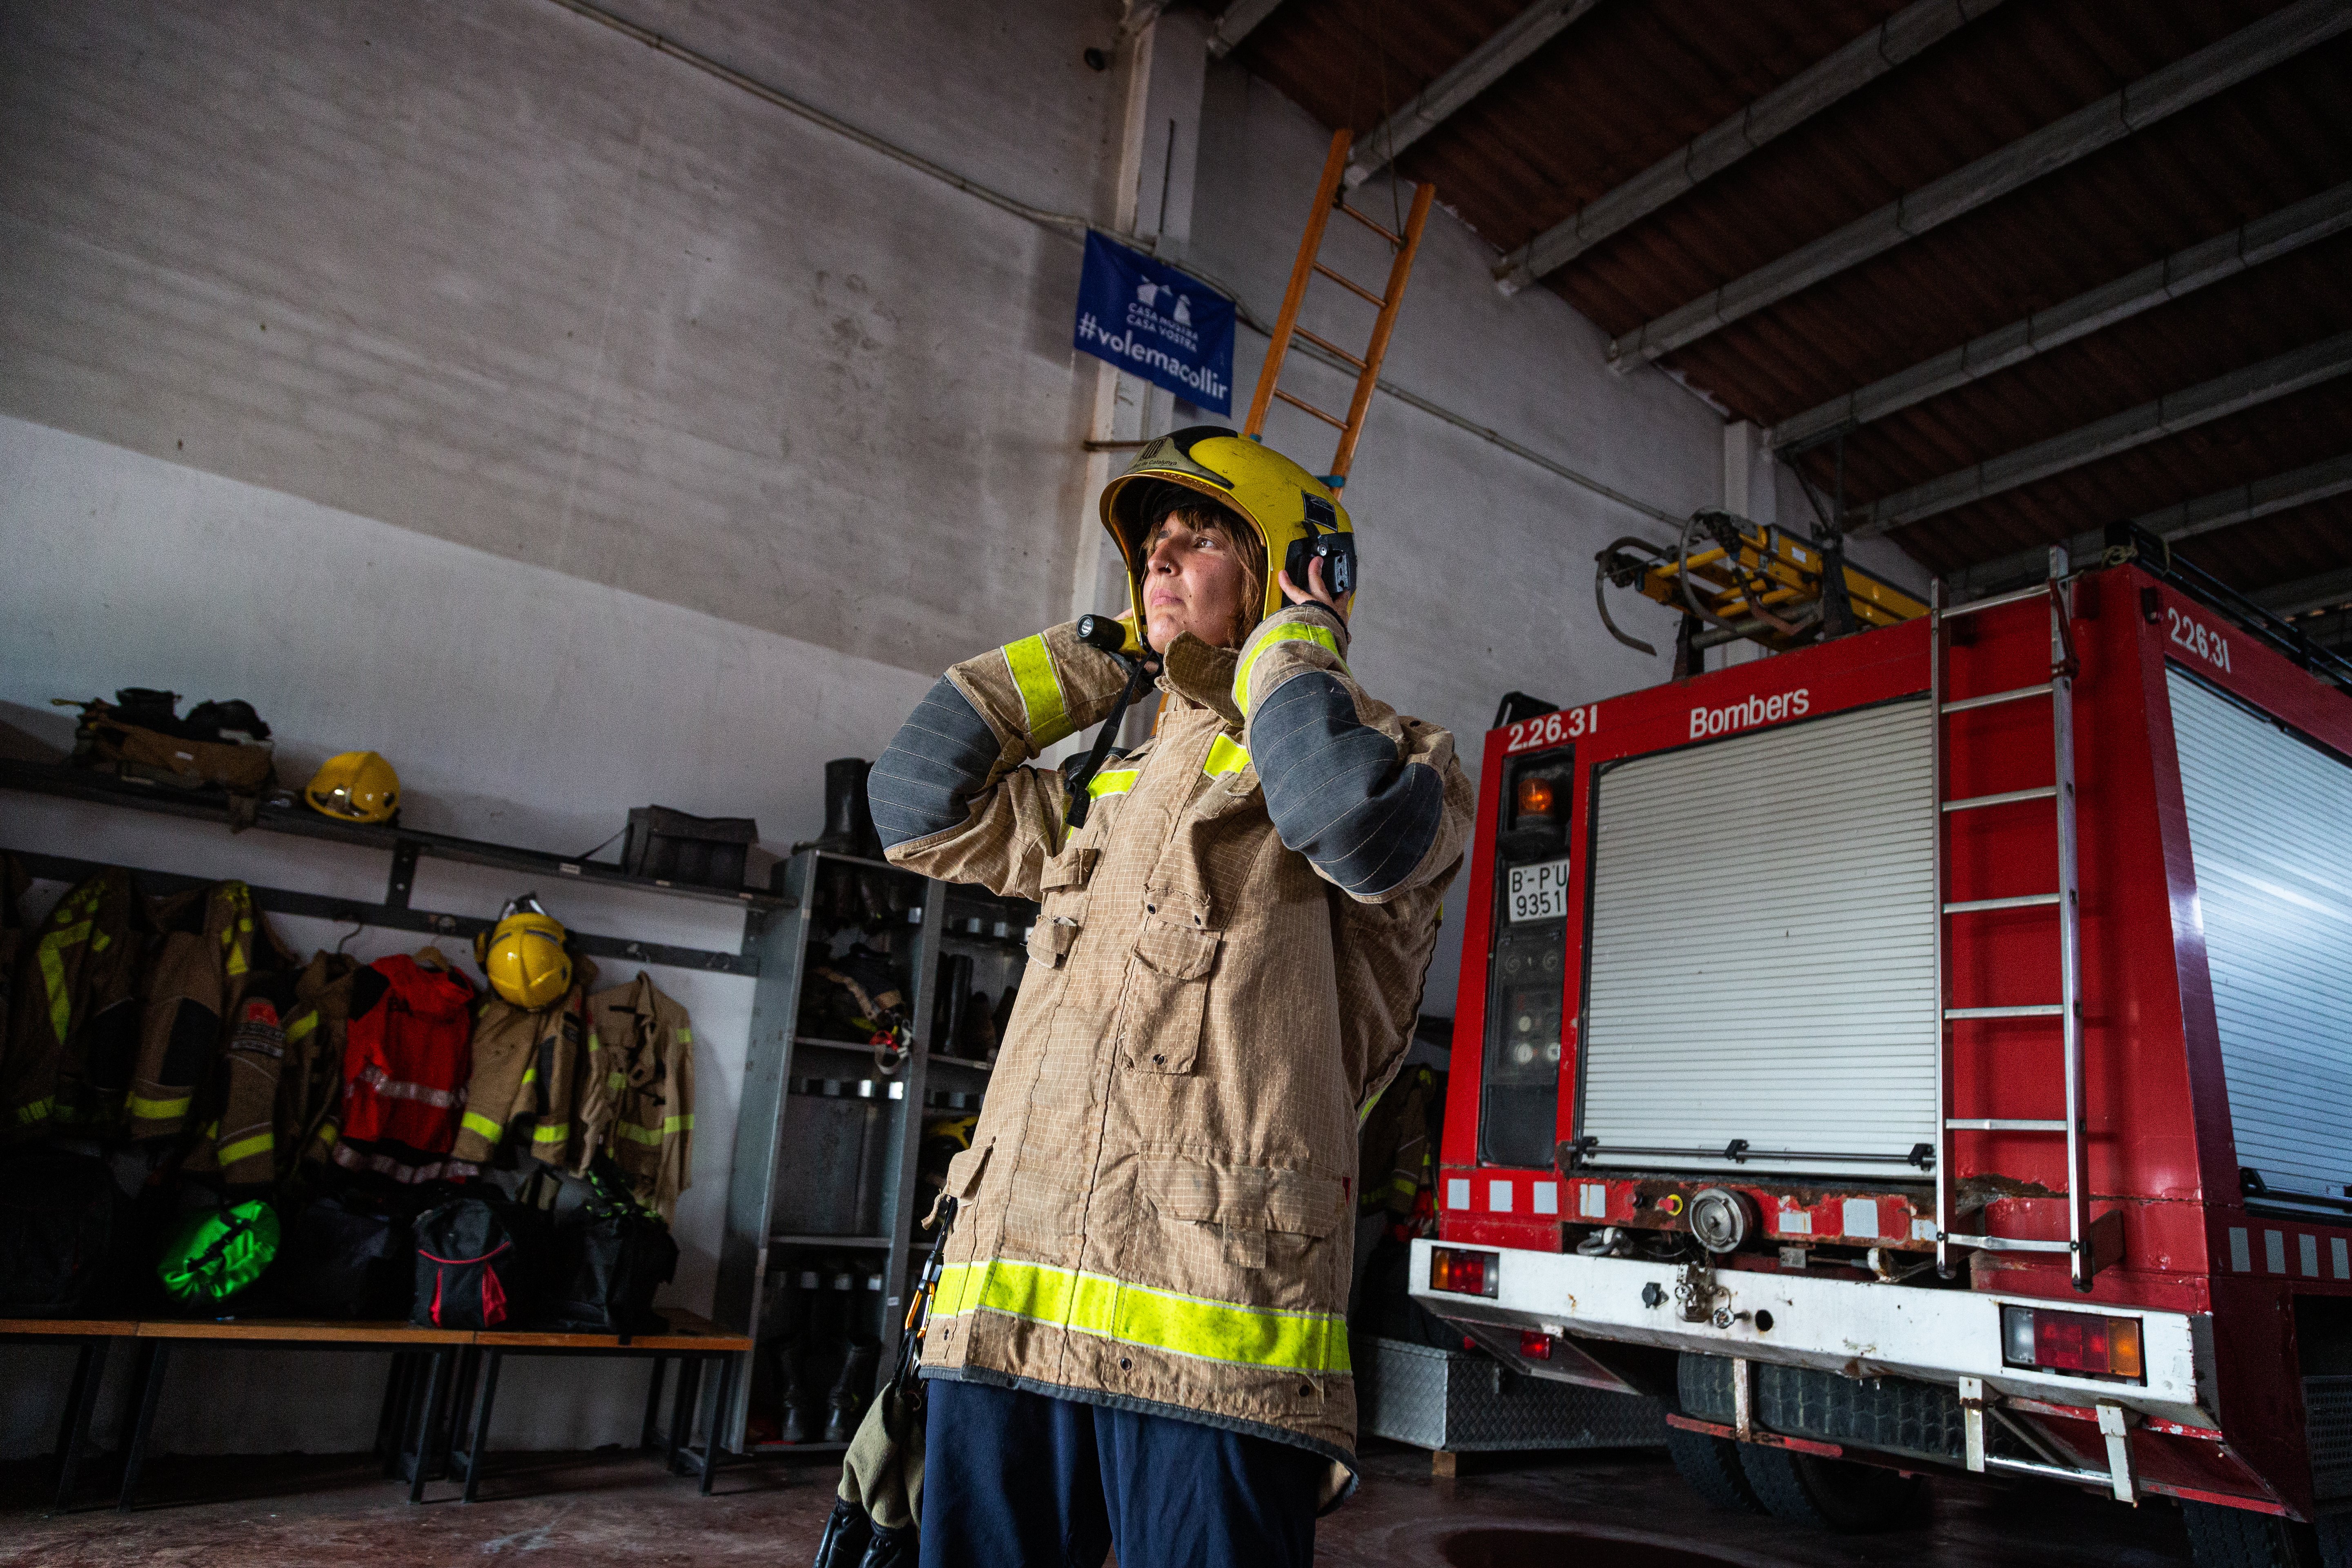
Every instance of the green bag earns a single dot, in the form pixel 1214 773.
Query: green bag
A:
pixel 214 1255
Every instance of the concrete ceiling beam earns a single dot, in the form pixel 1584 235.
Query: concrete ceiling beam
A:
pixel 2251 387
pixel 1522 36
pixel 1236 22
pixel 2244 503
pixel 2276 38
pixel 2326 592
pixel 2183 272
pixel 1786 106
pixel 2223 509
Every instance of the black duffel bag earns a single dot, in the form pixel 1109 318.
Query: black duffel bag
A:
pixel 68 1239
pixel 347 1255
pixel 605 1275
pixel 482 1262
pixel 609 1261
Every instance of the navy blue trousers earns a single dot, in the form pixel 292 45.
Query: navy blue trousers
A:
pixel 1012 1480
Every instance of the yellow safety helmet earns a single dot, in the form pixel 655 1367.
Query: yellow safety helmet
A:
pixel 1290 508
pixel 358 786
pixel 523 956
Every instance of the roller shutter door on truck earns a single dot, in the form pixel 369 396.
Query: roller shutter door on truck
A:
pixel 2270 826
pixel 1762 950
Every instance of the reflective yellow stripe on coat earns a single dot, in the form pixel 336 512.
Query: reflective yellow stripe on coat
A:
pixel 1293 631
pixel 1225 756
pixel 1110 1309
pixel 1041 691
pixel 1118 783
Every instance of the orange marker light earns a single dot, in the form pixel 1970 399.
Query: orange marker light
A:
pixel 1535 797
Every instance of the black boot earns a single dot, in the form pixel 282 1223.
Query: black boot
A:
pixel 845 798
pixel 955 982
pixel 797 1398
pixel 978 1038
pixel 861 815
pixel 851 1392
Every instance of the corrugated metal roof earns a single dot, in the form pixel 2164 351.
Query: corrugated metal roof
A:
pixel 1634 79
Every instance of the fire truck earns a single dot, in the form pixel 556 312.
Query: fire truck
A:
pixel 1930 1049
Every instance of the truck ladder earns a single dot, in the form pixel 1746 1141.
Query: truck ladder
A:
pixel 1329 198
pixel 2068 1008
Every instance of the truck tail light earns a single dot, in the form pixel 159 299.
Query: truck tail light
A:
pixel 1463 1273
pixel 2080 1342
pixel 1534 1346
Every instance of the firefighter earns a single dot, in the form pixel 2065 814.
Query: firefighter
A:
pixel 1139 1338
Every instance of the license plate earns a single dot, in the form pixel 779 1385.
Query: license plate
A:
pixel 1539 892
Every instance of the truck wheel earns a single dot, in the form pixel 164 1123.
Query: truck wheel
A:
pixel 2222 1537
pixel 1711 1466
pixel 1830 1494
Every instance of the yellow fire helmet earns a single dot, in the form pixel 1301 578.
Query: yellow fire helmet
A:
pixel 358 786
pixel 523 956
pixel 1296 514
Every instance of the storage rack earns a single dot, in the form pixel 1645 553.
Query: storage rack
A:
pixel 405 845
pixel 786 1166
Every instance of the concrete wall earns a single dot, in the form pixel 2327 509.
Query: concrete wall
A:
pixel 471 383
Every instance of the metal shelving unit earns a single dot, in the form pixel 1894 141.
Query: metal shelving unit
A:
pixel 405 847
pixel 792 1160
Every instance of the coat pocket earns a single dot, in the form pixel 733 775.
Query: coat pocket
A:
pixel 1239 1207
pixel 1050 939
pixel 1072 869
pixel 1167 996
pixel 962 1181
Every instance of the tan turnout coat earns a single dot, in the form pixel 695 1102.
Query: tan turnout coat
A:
pixel 1157 1208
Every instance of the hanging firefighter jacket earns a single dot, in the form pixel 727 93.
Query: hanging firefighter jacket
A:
pixel 1395 1165
pixel 639 1099
pixel 405 1063
pixel 253 1063
pixel 76 1016
pixel 328 993
pixel 525 1078
pixel 13 882
pixel 195 983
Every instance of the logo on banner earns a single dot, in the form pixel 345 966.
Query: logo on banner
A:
pixel 1151 321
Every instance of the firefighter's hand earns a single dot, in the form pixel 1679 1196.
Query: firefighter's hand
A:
pixel 1314 593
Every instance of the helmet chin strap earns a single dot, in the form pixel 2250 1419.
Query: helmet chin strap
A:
pixel 1107 634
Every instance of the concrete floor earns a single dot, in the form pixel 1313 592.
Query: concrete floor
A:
pixel 1589 1510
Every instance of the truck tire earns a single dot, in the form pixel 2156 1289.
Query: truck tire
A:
pixel 2222 1537
pixel 1831 1494
pixel 1711 1466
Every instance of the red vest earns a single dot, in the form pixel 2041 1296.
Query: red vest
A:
pixel 406 1059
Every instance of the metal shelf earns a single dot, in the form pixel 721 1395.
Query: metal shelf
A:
pixel 213 805
pixel 406 847
pixel 964 1062
pixel 773 1171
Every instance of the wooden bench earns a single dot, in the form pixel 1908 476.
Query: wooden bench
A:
pixel 412 1431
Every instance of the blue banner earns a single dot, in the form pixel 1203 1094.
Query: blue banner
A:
pixel 1151 321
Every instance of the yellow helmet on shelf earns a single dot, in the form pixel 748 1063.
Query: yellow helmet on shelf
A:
pixel 1290 508
pixel 522 957
pixel 358 786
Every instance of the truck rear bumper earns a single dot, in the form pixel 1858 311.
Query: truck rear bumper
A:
pixel 1853 1326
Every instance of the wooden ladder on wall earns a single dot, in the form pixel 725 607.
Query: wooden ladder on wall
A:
pixel 1329 198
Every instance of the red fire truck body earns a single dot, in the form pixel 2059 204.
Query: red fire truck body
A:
pixel 1778 956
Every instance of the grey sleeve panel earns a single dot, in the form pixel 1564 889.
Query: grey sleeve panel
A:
pixel 940 758
pixel 1337 791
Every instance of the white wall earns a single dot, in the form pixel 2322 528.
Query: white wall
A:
pixel 470 383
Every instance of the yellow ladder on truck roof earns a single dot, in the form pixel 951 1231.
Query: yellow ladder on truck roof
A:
pixel 1330 198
